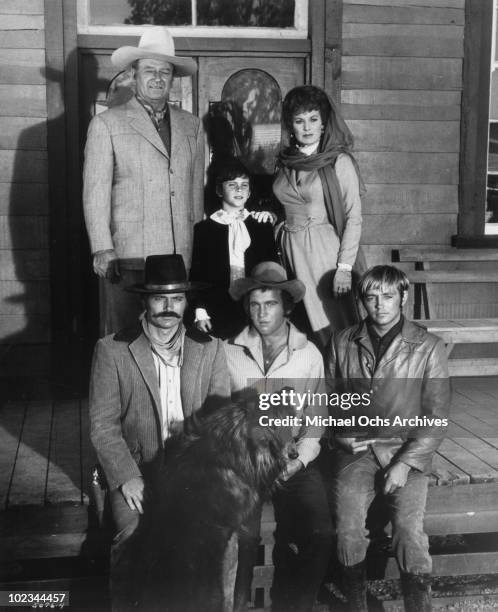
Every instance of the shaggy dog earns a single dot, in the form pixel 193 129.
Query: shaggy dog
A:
pixel 211 482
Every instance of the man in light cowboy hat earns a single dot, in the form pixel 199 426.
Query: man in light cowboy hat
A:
pixel 145 382
pixel 143 175
pixel 271 355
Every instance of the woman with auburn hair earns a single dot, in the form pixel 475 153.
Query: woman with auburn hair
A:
pixel 319 186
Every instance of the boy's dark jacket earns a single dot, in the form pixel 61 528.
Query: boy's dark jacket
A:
pixel 211 264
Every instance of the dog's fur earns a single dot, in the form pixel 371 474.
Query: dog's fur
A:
pixel 213 479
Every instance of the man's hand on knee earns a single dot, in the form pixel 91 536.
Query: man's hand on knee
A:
pixel 133 492
pixel 395 477
pixel 106 265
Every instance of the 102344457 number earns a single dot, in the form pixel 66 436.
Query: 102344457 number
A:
pixel 35 599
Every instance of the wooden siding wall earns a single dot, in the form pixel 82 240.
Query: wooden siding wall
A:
pixel 401 95
pixel 24 243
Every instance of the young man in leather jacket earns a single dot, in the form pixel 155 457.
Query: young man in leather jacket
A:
pixel 404 369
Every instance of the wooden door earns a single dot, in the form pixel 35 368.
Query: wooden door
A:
pixel 83 58
pixel 240 100
pixel 97 90
pixel 218 77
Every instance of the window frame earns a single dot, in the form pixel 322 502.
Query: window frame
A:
pixel 491 229
pixel 478 42
pixel 300 29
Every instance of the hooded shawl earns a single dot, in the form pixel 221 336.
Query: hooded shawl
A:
pixel 337 138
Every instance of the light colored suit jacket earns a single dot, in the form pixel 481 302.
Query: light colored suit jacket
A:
pixel 124 401
pixel 137 199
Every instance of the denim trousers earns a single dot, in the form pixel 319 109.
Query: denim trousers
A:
pixel 303 540
pixel 354 489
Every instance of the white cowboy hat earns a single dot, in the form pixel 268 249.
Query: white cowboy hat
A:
pixel 155 43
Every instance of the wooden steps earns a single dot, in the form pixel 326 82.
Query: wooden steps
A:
pixel 429 268
pixel 457 331
pixel 485 366
pixel 462 509
pixel 48 532
pixel 462 498
pixel 451 510
pixel 455 564
pixel 61 531
pixel 466 331
pixel 471 602
pixel 411 254
pixel 452 276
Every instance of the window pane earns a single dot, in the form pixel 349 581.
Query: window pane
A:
pixel 138 12
pixel 249 13
pixel 495 59
pixel 491 214
pixel 492 194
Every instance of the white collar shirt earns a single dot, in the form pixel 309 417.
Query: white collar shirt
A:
pixel 169 392
pixel 299 366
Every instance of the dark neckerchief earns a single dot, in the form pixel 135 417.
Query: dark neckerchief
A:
pixel 157 116
pixel 380 344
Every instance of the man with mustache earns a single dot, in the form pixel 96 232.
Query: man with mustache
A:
pixel 146 383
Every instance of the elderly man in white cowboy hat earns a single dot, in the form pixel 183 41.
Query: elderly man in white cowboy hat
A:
pixel 271 355
pixel 143 175
pixel 146 382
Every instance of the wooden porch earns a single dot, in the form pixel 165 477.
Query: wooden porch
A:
pixel 46 460
pixel 46 455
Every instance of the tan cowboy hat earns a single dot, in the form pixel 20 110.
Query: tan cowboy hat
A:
pixel 155 43
pixel 269 275
pixel 165 274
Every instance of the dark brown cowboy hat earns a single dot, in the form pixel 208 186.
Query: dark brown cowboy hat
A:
pixel 165 274
pixel 270 275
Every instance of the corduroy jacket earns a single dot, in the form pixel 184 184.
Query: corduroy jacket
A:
pixel 124 401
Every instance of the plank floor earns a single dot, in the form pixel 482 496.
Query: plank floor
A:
pixel 46 459
pixel 46 455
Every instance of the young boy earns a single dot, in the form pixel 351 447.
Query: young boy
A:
pixel 227 246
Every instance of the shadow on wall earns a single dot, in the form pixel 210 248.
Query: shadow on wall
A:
pixel 38 305
pixel 25 306
pixel 41 245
